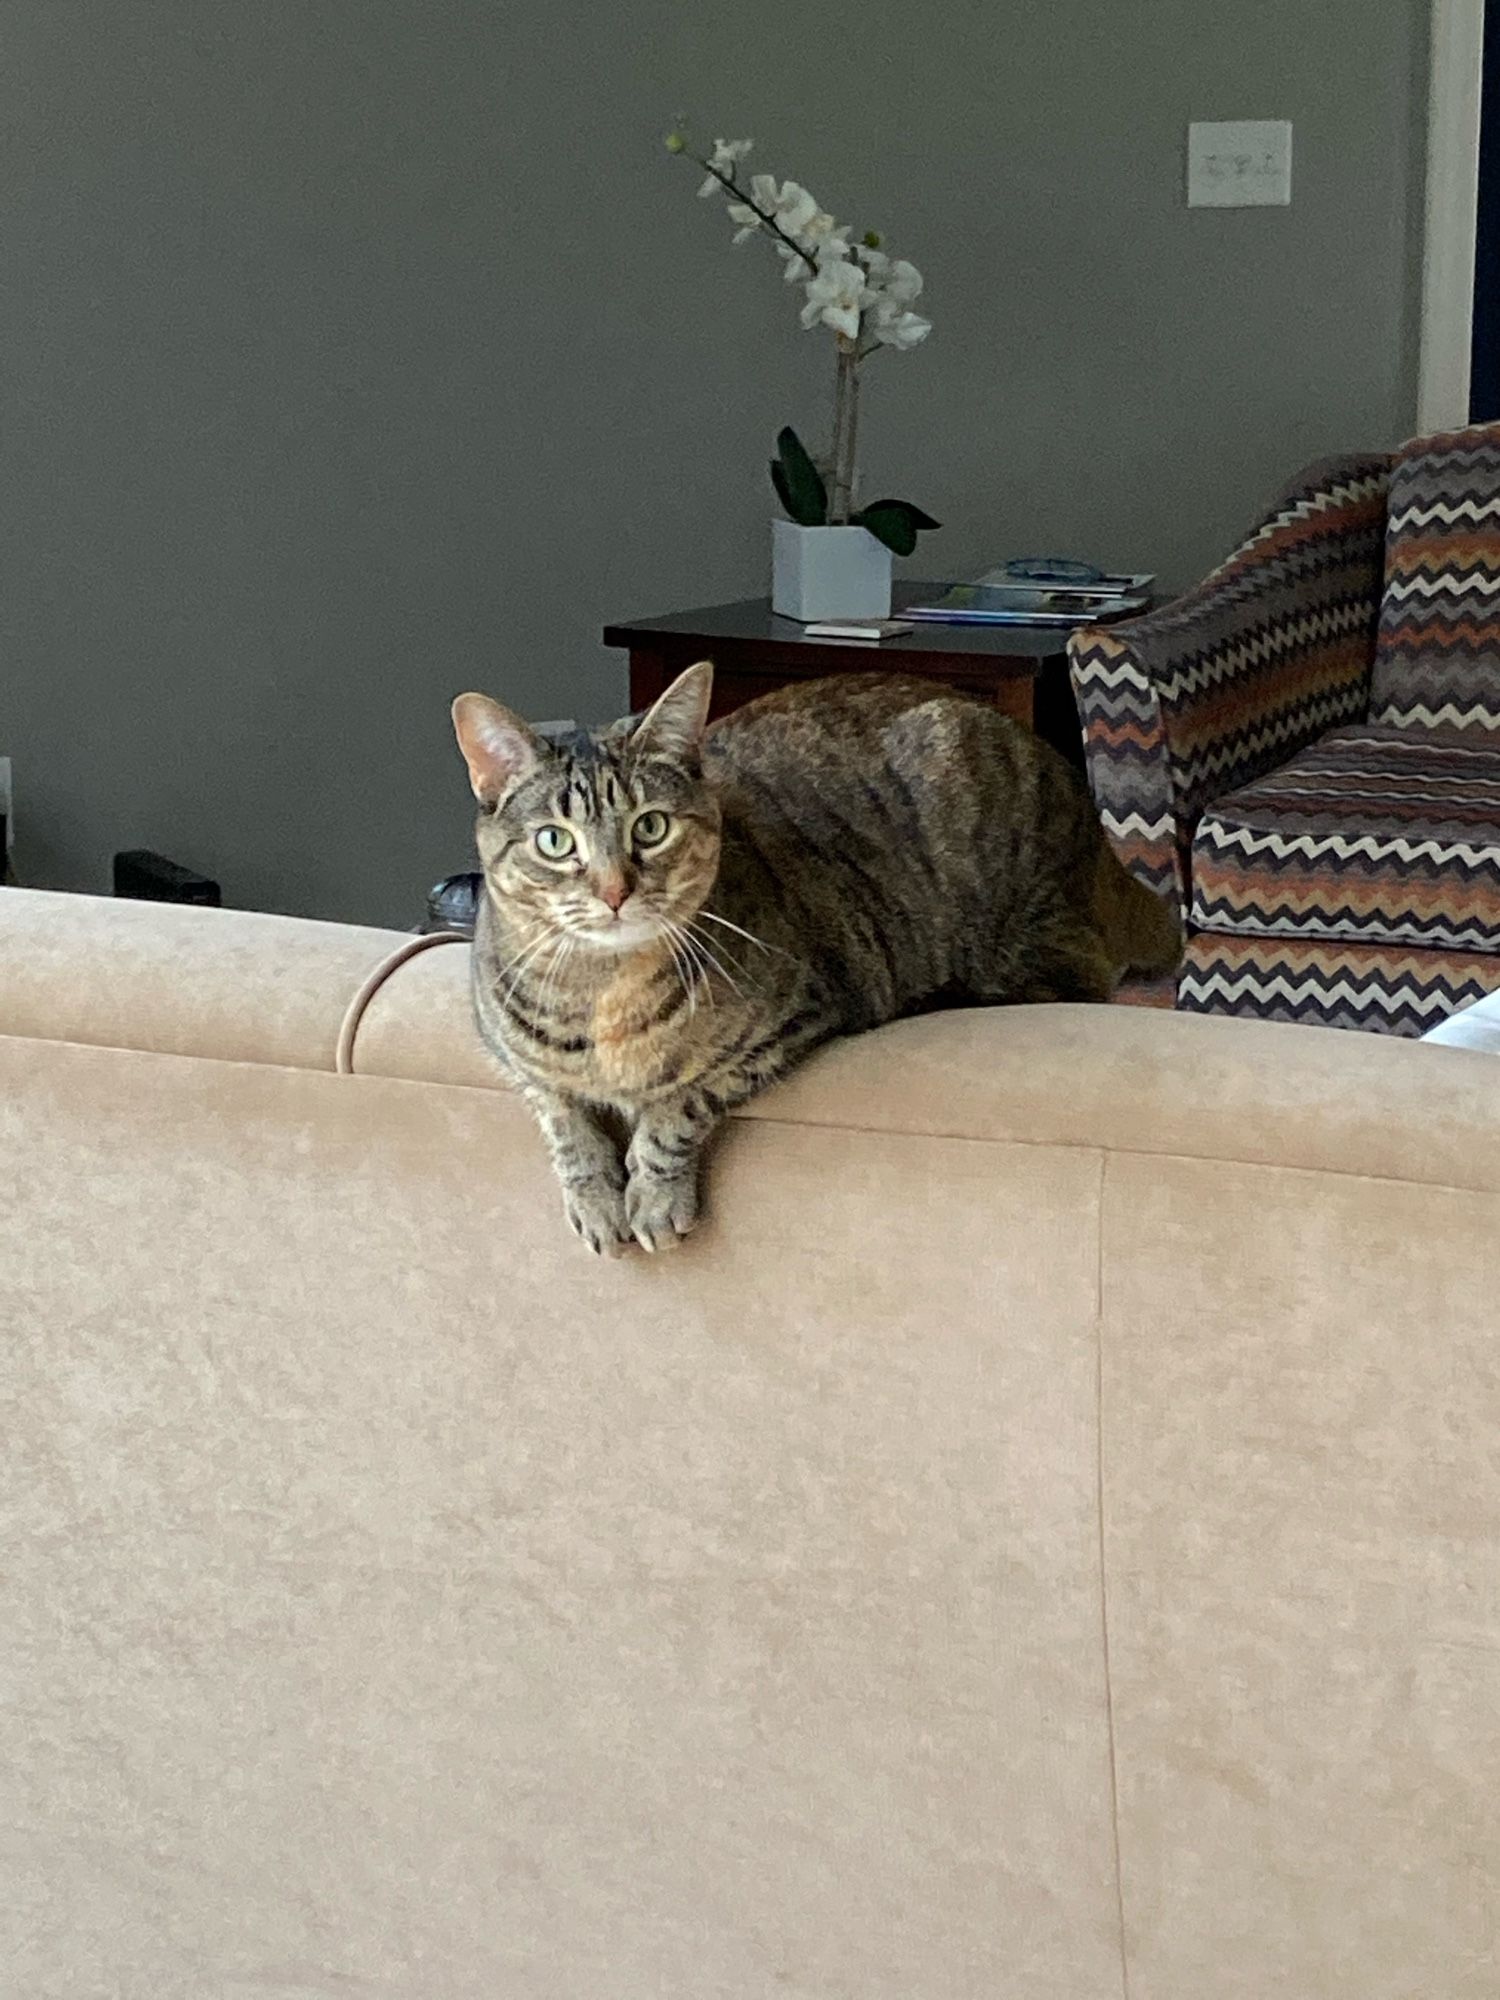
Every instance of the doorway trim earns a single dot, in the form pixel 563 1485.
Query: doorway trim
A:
pixel 1451 213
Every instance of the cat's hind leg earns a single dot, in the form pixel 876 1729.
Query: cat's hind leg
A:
pixel 1068 963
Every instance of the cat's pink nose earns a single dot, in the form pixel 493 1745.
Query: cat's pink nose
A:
pixel 612 894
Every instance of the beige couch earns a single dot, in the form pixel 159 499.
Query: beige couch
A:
pixel 1041 1542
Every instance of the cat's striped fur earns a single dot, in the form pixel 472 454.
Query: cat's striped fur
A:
pixel 836 855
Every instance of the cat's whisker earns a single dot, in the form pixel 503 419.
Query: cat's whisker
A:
pixel 694 958
pixel 707 959
pixel 538 1007
pixel 749 936
pixel 542 1006
pixel 686 980
pixel 543 934
pixel 527 959
pixel 552 982
pixel 723 970
pixel 532 931
pixel 672 936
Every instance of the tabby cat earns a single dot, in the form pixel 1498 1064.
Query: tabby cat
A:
pixel 673 915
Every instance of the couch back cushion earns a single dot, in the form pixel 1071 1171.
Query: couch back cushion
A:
pixel 1437 656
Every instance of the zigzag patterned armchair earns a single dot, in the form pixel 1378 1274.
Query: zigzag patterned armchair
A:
pixel 1306 748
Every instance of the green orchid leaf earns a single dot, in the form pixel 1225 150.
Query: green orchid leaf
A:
pixel 888 524
pixel 800 488
pixel 894 522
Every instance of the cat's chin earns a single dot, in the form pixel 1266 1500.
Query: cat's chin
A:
pixel 617 939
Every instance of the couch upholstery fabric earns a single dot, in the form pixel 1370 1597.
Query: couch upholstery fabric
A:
pixel 1041 1539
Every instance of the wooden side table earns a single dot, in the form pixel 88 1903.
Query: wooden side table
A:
pixel 1022 669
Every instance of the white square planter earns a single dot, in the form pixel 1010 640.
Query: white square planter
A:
pixel 821 573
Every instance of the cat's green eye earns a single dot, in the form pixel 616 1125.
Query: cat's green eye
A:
pixel 650 829
pixel 554 843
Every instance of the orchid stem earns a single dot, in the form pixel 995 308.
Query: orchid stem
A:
pixel 836 448
pixel 845 432
pixel 732 186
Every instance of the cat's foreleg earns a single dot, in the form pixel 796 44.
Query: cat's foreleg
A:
pixel 664 1162
pixel 586 1159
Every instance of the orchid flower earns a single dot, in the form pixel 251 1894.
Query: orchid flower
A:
pixel 858 291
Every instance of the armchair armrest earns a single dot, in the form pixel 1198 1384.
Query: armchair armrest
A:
pixel 1268 653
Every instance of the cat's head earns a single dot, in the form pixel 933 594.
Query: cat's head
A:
pixel 609 838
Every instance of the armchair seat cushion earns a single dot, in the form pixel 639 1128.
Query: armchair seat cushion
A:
pixel 1374 835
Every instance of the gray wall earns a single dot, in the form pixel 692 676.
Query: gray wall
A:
pixel 358 353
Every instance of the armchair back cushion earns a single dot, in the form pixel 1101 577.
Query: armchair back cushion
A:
pixel 1215 689
pixel 1437 655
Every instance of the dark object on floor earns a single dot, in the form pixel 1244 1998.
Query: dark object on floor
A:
pixel 452 904
pixel 152 878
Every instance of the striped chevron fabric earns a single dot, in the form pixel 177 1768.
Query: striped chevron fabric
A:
pixel 1129 764
pixel 1382 989
pixel 1266 655
pixel 1437 658
pixel 1307 747
pixel 1374 835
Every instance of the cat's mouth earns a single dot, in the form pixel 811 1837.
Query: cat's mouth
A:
pixel 629 931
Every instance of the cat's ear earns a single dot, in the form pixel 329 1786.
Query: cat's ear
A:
pixel 498 747
pixel 673 726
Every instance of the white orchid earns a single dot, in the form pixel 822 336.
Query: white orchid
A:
pixel 792 215
pixel 724 161
pixel 789 207
pixel 795 208
pixel 816 253
pixel 823 238
pixel 747 217
pixel 833 298
pixel 903 282
pixel 891 284
pixel 858 291
pixel 890 326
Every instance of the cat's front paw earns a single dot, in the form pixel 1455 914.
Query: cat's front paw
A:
pixel 661 1212
pixel 596 1213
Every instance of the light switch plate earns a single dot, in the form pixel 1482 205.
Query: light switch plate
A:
pixel 1241 164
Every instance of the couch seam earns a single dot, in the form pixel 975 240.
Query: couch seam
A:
pixel 1101 1146
pixel 1111 1744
